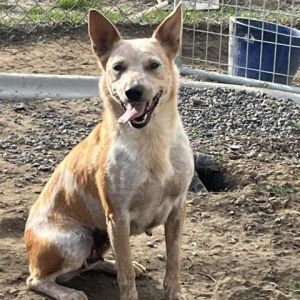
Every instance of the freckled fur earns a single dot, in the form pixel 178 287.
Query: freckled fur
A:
pixel 119 179
pixel 42 253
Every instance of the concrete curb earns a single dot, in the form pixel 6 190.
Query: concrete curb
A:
pixel 21 87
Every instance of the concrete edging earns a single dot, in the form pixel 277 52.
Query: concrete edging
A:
pixel 21 87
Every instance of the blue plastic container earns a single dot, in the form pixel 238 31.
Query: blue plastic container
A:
pixel 273 50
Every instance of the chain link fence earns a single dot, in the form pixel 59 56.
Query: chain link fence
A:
pixel 31 15
pixel 256 39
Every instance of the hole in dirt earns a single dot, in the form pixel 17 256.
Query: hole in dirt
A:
pixel 212 175
pixel 218 181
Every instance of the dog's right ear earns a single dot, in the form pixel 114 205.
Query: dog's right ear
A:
pixel 103 35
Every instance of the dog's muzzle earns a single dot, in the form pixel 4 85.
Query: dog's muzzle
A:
pixel 138 114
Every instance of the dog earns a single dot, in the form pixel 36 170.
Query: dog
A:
pixel 128 176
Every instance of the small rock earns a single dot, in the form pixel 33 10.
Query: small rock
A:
pixel 44 168
pixel 251 154
pixel 12 291
pixel 235 147
pixel 196 101
pixel 249 227
pixel 217 246
pixel 19 107
pixel 196 185
pixel 151 245
pixel 160 257
pixel 233 241
pixel 205 215
pixel 19 185
pixel 89 124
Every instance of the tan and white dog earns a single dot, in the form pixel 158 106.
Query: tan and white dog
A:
pixel 128 176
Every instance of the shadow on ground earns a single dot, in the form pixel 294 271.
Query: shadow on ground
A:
pixel 98 286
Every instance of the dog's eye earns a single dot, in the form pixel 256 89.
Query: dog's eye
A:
pixel 119 67
pixel 154 65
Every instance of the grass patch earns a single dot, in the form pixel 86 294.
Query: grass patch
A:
pixel 6 6
pixel 39 16
pixel 74 12
pixel 153 17
pixel 278 190
pixel 76 4
pixel 223 16
pixel 116 17
pixel 220 16
pixel 296 288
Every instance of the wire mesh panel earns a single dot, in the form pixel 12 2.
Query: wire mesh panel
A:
pixel 256 39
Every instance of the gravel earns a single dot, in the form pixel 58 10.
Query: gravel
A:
pixel 241 124
pixel 221 122
pixel 45 144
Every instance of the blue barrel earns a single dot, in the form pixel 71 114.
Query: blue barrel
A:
pixel 263 50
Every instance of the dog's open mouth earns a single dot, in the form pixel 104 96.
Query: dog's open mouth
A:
pixel 139 114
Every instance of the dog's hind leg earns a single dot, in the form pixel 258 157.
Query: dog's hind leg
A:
pixel 53 253
pixel 49 287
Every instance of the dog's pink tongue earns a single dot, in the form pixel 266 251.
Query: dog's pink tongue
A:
pixel 133 111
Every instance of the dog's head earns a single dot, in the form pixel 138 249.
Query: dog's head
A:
pixel 138 73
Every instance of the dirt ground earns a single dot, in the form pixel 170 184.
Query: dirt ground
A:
pixel 243 244
pixel 63 51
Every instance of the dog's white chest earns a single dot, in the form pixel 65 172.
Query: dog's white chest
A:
pixel 139 187
pixel 150 206
pixel 142 196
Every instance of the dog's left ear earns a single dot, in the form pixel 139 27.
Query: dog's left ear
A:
pixel 103 35
pixel 169 32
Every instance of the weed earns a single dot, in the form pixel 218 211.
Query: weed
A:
pixel 296 288
pixel 76 4
pixel 74 12
pixel 279 191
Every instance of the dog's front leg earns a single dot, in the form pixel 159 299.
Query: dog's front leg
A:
pixel 173 232
pixel 119 232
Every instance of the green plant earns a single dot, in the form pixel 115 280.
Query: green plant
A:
pixel 280 191
pixel 296 288
pixel 76 4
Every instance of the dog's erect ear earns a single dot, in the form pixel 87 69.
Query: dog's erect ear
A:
pixel 103 35
pixel 169 32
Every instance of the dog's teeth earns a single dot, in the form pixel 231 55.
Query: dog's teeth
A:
pixel 142 121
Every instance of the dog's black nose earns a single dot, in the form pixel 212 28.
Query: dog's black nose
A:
pixel 135 93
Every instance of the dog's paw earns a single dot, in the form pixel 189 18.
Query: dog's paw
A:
pixel 138 269
pixel 129 294
pixel 175 296
pixel 173 290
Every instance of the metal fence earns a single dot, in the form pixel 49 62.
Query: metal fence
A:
pixel 249 38
pixel 31 15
